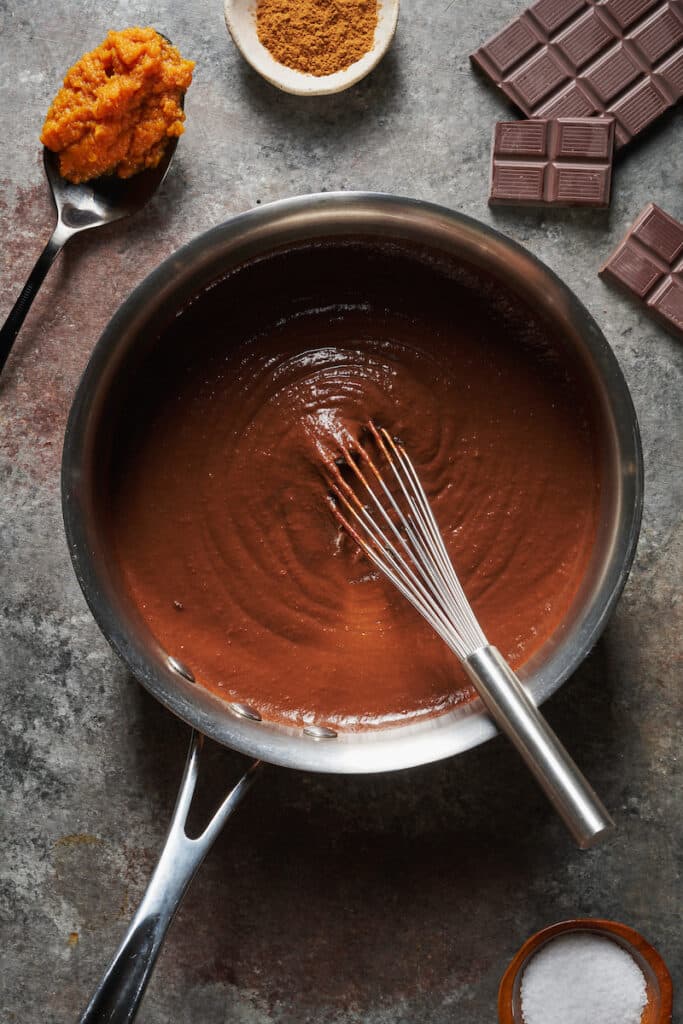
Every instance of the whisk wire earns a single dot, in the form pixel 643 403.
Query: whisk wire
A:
pixel 434 549
pixel 467 622
pixel 416 560
pixel 384 554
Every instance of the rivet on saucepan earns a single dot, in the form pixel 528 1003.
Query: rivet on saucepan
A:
pixel 244 711
pixel 320 732
pixel 181 669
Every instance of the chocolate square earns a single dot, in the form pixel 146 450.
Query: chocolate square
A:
pixel 551 14
pixel 511 45
pixel 648 264
pixel 577 58
pixel 671 71
pixel 586 38
pixel 584 137
pixel 658 34
pixel 573 101
pixel 558 162
pixel 535 79
pixel 521 138
pixel 625 12
pixel 612 74
pixel 660 233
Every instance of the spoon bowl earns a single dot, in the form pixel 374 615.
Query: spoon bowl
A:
pixel 108 198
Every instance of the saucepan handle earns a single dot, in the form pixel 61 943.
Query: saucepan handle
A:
pixel 517 716
pixel 122 987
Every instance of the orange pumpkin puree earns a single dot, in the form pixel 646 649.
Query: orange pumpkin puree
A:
pixel 118 107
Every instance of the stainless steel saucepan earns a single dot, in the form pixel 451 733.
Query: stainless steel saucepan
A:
pixel 388 220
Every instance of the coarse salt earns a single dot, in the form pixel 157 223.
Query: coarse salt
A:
pixel 583 978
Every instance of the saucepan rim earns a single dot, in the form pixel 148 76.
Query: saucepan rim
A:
pixel 389 218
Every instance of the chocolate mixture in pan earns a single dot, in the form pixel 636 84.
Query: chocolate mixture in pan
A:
pixel 218 506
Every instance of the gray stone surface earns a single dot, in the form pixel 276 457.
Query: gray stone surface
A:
pixel 335 900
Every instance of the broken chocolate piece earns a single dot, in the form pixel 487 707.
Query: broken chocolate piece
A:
pixel 577 58
pixel 555 162
pixel 648 264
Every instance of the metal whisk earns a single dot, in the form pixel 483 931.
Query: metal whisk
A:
pixel 395 527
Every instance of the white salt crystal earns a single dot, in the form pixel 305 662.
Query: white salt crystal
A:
pixel 583 978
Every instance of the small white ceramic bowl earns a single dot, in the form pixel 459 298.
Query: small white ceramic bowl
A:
pixel 240 17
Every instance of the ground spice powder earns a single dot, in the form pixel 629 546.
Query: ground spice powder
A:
pixel 317 37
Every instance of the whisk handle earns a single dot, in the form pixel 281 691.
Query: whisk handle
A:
pixel 517 716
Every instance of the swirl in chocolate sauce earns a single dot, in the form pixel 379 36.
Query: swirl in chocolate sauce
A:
pixel 218 502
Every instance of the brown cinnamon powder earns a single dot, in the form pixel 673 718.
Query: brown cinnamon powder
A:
pixel 317 37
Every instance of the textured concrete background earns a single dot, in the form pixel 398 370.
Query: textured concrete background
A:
pixel 335 900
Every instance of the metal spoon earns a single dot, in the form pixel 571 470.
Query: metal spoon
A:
pixel 80 207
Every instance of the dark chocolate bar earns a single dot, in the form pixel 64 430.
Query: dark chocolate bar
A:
pixel 648 263
pixel 552 162
pixel 577 58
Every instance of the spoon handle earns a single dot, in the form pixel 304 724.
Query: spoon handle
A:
pixel 10 329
